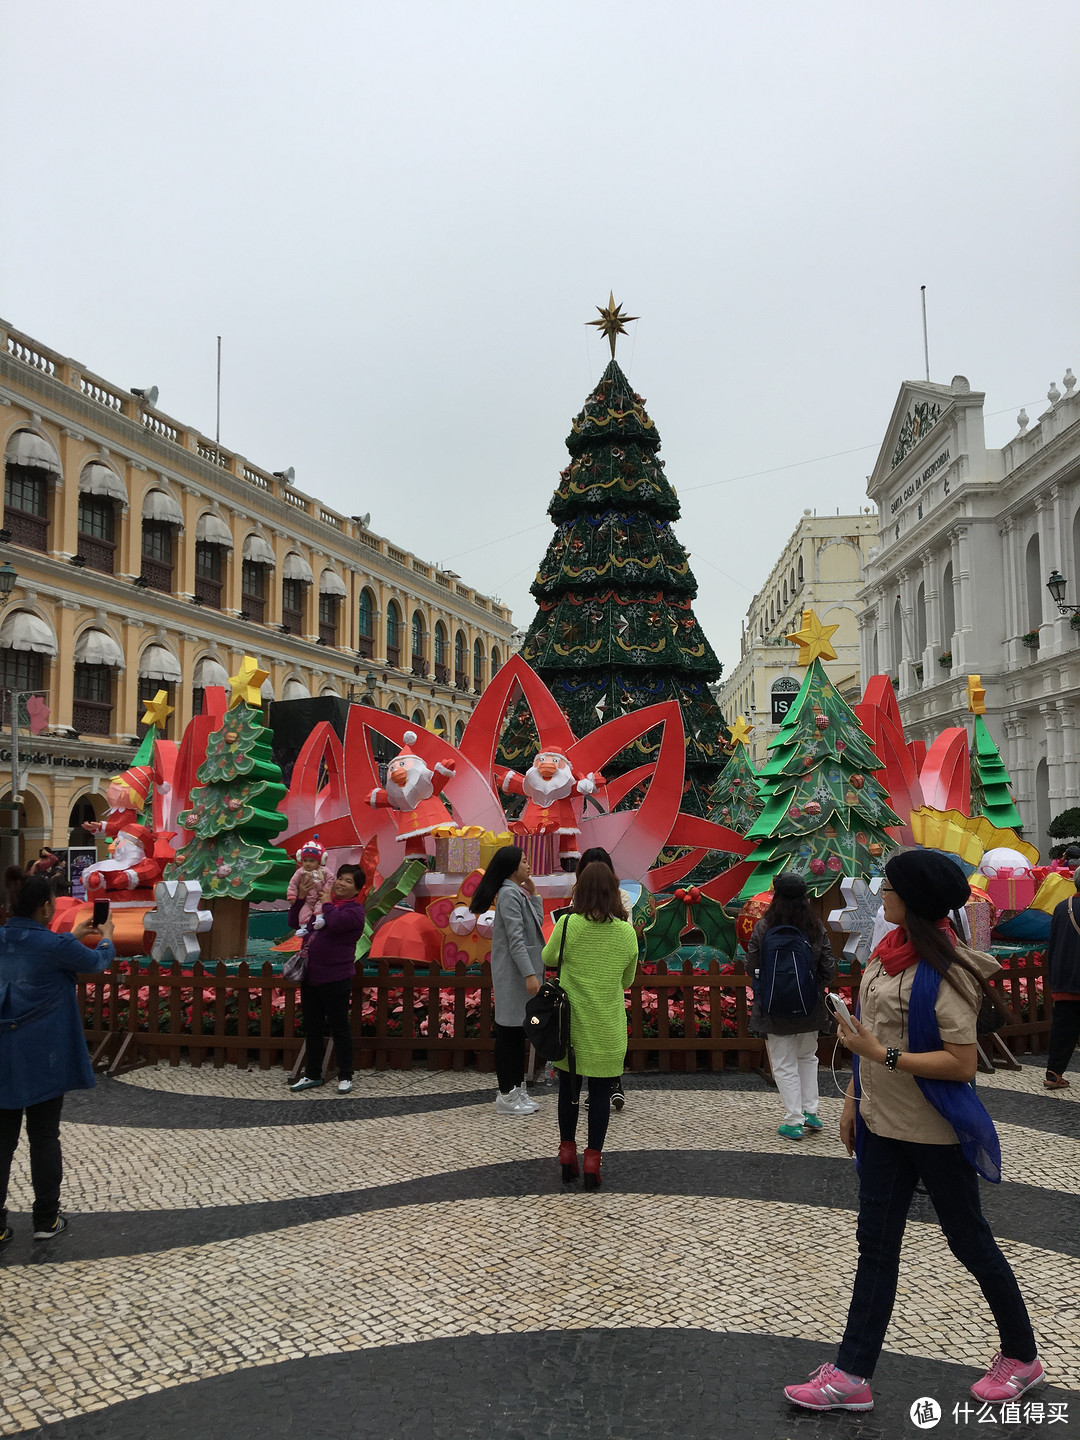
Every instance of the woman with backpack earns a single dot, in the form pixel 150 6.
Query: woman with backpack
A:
pixel 517 940
pixel 912 1117
pixel 791 963
pixel 596 950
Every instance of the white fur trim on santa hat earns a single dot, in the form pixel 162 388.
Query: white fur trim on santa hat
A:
pixel 443 769
pixel 410 737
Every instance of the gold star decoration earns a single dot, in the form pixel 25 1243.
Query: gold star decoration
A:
pixel 158 710
pixel 813 639
pixel 740 731
pixel 612 322
pixel 247 683
pixel 976 695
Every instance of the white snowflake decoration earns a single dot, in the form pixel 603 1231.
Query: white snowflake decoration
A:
pixel 857 917
pixel 177 921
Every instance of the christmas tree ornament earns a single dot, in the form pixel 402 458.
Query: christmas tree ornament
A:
pixel 177 921
pixel 857 917
pixel 813 639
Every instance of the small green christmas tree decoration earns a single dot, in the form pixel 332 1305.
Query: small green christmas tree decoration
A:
pixel 233 812
pixel 991 787
pixel 825 815
pixel 736 799
pixel 615 628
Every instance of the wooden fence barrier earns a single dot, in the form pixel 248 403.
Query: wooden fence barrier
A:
pixel 679 1019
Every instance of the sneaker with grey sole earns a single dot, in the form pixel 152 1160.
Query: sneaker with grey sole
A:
pixel 49 1232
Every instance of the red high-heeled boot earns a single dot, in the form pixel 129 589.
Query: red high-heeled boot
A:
pixel 568 1161
pixel 592 1170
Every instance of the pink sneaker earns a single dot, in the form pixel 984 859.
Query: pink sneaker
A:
pixel 1006 1379
pixel 831 1389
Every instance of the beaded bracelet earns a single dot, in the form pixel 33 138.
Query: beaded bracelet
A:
pixel 892 1055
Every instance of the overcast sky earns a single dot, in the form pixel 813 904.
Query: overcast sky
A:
pixel 400 215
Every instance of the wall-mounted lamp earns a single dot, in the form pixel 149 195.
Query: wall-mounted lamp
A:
pixel 1057 585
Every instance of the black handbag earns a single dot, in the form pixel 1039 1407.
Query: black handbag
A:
pixel 547 1016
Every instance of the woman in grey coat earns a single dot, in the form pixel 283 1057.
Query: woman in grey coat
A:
pixel 792 1041
pixel 517 967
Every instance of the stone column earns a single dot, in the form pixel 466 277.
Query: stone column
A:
pixel 1070 753
pixel 62 688
pixel 965 618
pixel 906 665
pixel 1022 770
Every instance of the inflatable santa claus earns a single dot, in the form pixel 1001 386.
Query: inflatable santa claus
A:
pixel 412 791
pixel 549 786
pixel 131 867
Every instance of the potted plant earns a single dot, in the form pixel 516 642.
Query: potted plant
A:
pixel 945 659
pixel 1031 639
pixel 1074 620
pixel 918 673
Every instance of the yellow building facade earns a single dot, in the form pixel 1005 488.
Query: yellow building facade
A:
pixel 149 557
pixel 821 569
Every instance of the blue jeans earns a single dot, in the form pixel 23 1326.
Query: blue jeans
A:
pixel 889 1172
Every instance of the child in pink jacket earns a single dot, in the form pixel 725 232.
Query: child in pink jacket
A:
pixel 310 860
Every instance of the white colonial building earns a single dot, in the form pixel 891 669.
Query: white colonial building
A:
pixel 958 586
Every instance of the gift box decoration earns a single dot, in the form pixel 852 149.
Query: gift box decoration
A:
pixel 490 842
pixel 980 917
pixel 1014 892
pixel 541 853
pixel 457 849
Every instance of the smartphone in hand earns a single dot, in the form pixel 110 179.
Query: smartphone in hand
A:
pixel 101 913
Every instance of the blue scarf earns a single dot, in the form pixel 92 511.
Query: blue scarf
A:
pixel 954 1100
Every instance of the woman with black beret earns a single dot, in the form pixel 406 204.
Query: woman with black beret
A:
pixel 911 1116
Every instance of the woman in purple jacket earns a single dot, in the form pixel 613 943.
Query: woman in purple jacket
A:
pixel 331 969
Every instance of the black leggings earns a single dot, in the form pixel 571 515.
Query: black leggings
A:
pixel 599 1107
pixel 509 1056
pixel 326 1007
pixel 46 1163
pixel 1064 1031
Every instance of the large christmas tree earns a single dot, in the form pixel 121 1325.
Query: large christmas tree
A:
pixel 615 629
pixel 825 814
pixel 233 812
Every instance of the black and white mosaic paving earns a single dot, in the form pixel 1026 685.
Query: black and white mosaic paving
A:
pixel 403 1262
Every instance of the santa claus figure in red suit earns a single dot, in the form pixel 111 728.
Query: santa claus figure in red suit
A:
pixel 131 867
pixel 412 791
pixel 549 786
pixel 126 795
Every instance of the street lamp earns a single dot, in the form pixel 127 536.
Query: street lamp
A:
pixel 8 576
pixel 1056 585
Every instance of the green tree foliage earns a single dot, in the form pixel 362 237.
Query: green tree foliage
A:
pixel 825 814
pixel 615 629
pixel 991 787
pixel 233 815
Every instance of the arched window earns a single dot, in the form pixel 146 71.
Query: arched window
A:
pixel 419 658
pixel 496 661
pixel 800 570
pixel 366 624
pixel 440 726
pixel 208 671
pixel 97 656
pixel 213 542
pixel 30 465
pixel 101 494
pixel 159 669
pixel 461 672
pixel 393 633
pixel 793 580
pixel 785 590
pixel 442 668
pixel 296 576
pixel 419 720
pixel 257 562
pixel 782 694
pixel 1034 583
pixel 27 644
pixel 162 521
pixel 459 731
pixel 393 709
pixel 948 604
pixel 478 667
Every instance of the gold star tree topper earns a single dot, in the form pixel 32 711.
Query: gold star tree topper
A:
pixel 247 683
pixel 740 731
pixel 813 639
pixel 612 322
pixel 976 695
pixel 158 710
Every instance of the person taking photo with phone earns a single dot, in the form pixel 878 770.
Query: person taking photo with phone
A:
pixel 911 1116
pixel 43 1050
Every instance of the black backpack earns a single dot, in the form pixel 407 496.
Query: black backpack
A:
pixel 787 975
pixel 547 1016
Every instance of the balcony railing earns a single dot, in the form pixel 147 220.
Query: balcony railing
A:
pixel 293 621
pixel 157 575
pixel 365 646
pixel 208 592
pixel 461 680
pixel 254 608
pixel 419 667
pixel 442 674
pixel 27 530
pixel 393 655
pixel 327 633
pixel 91 717
pixel 98 554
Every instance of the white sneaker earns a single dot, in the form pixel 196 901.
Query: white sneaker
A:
pixel 526 1099
pixel 344 1086
pixel 512 1104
